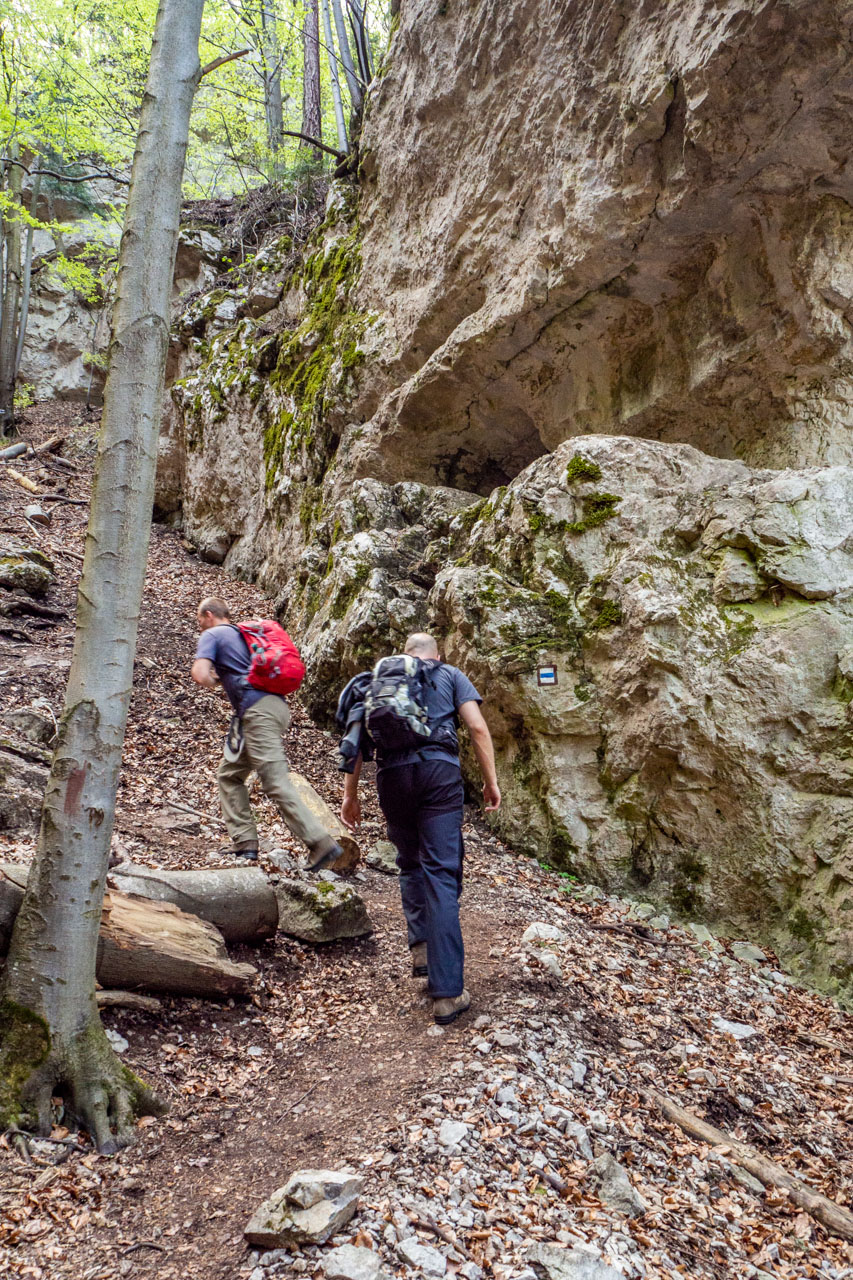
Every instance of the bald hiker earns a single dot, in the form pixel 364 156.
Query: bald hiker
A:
pixel 408 710
pixel 257 665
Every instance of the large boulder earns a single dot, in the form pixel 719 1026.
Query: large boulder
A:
pixel 321 911
pixel 651 732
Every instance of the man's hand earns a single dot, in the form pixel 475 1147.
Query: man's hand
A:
pixel 204 673
pixel 491 796
pixel 481 741
pixel 351 812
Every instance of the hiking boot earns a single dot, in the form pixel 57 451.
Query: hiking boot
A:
pixel 246 851
pixel 323 854
pixel 449 1008
pixel 419 960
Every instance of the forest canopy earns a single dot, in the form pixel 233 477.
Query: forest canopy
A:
pixel 73 74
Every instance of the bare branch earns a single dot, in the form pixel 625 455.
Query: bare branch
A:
pixel 52 173
pixel 339 155
pixel 226 57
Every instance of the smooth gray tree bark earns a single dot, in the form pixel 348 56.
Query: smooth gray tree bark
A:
pixel 340 124
pixel 27 278
pixel 11 298
pixel 271 56
pixel 356 91
pixel 50 1031
pixel 358 22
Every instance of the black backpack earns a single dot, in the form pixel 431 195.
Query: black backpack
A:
pixel 395 706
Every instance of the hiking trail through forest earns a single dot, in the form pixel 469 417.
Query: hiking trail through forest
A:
pixel 335 1061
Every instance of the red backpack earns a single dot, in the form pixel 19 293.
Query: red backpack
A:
pixel 275 665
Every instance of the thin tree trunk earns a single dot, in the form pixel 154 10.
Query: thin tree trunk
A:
pixel 11 298
pixel 50 1031
pixel 271 55
pixel 335 78
pixel 28 275
pixel 358 22
pixel 311 114
pixel 356 93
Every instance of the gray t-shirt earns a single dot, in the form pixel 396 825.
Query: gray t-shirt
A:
pixel 446 689
pixel 229 653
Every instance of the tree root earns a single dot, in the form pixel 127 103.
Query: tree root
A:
pixel 102 1095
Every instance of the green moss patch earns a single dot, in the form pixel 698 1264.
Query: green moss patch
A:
pixel 316 359
pixel 581 468
pixel 24 1046
pixel 597 508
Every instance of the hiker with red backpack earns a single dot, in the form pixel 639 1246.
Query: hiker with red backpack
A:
pixel 257 665
pixel 406 711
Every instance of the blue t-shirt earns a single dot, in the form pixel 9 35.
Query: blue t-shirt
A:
pixel 446 689
pixel 229 653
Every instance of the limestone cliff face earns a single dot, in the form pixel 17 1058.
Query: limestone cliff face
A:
pixel 533 385
pixel 612 217
pixel 698 617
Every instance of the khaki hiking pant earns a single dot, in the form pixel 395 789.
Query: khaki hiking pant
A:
pixel 264 724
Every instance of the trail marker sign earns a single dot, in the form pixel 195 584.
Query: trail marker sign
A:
pixel 546 676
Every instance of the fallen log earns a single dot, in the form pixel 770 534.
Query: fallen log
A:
pixel 24 481
pixel 157 946
pixel 239 901
pixel 49 445
pixel 14 450
pixel 332 823
pixel 145 944
pixel 837 1220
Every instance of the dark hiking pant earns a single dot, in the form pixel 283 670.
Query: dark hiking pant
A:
pixel 422 804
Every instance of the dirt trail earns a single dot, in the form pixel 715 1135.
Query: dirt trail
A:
pixel 336 1060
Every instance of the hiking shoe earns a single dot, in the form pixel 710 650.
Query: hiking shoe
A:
pixel 419 960
pixel 323 855
pixel 245 852
pixel 449 1008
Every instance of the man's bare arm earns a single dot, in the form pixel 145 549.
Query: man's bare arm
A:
pixel 351 806
pixel 204 673
pixel 481 741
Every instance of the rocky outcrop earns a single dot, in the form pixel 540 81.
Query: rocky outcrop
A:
pixel 630 219
pixel 693 745
pixel 632 222
pixel 64 355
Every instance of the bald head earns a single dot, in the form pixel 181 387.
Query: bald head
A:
pixel 212 612
pixel 420 645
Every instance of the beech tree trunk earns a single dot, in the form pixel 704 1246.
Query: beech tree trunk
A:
pixel 27 277
pixel 50 1031
pixel 11 298
pixel 311 116
pixel 158 947
pixel 340 124
pixel 356 92
pixel 358 22
pixel 271 54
